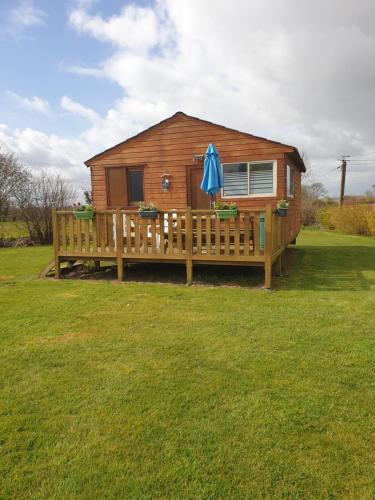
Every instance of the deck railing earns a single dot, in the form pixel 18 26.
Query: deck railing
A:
pixel 191 236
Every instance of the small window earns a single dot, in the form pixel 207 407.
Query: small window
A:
pixel 249 179
pixel 135 186
pixel 290 180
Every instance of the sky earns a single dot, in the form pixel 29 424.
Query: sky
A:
pixel 78 76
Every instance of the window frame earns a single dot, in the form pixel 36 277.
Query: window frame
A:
pixel 127 168
pixel 258 195
pixel 290 168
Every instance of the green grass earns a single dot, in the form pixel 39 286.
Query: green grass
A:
pixel 13 229
pixel 166 391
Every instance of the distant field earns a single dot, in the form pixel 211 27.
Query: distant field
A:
pixel 13 229
pixel 145 390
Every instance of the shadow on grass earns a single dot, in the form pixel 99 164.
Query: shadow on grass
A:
pixel 325 268
pixel 331 268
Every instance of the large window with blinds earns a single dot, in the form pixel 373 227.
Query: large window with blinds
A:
pixel 249 179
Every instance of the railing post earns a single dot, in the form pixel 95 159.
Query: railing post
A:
pixel 268 248
pixel 119 245
pixel 189 246
pixel 55 232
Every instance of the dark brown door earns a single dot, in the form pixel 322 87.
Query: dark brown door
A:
pixel 196 197
pixel 116 187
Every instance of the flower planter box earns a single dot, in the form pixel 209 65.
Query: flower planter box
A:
pixel 282 212
pixel 226 213
pixel 148 214
pixel 84 214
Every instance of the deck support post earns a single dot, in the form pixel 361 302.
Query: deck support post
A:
pixel 268 248
pixel 189 247
pixel 278 266
pixel 119 245
pixel 55 232
pixel 283 256
pixel 57 268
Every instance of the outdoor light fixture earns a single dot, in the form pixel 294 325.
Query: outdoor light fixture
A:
pixel 166 182
pixel 198 157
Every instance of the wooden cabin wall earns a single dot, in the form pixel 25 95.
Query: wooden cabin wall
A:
pixel 170 148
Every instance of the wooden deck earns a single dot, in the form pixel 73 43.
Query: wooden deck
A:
pixel 254 237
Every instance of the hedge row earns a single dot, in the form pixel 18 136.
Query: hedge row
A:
pixel 350 219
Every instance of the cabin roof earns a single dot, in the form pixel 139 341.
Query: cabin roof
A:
pixel 293 151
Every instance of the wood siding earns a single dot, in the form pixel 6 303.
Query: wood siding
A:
pixel 169 148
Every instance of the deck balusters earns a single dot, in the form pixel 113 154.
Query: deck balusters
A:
pixel 176 235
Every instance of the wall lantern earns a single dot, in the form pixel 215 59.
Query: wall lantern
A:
pixel 198 158
pixel 166 182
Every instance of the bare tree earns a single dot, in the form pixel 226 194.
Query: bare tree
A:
pixel 13 178
pixel 312 196
pixel 88 196
pixel 37 198
pixel 308 176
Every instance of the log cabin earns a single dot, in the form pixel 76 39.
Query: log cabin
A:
pixel 164 165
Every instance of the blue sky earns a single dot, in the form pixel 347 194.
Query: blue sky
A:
pixel 35 58
pixel 81 75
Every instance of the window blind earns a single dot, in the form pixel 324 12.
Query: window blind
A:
pixel 261 178
pixel 235 179
pixel 244 179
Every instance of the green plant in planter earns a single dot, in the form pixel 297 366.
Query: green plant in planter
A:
pixel 225 210
pixel 148 210
pixel 83 212
pixel 282 208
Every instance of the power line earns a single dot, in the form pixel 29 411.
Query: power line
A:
pixel 354 164
pixel 362 161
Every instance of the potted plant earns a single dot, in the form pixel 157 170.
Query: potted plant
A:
pixel 225 210
pixel 148 210
pixel 282 208
pixel 83 212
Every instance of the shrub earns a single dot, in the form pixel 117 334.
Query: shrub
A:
pixel 350 219
pixel 371 221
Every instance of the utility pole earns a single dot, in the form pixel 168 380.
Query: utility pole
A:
pixel 343 176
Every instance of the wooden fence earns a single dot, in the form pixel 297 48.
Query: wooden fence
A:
pixel 254 237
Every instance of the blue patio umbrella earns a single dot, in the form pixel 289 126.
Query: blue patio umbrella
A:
pixel 212 180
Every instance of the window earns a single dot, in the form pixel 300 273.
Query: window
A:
pixel 135 186
pixel 124 186
pixel 289 181
pixel 261 178
pixel 249 179
pixel 235 179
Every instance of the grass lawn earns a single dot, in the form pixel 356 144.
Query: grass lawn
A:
pixel 159 390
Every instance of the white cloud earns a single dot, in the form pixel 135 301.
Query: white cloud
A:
pixel 134 27
pixel 32 103
pixel 48 152
pixel 77 108
pixel 288 80
pixel 297 72
pixel 25 14
pixel 81 70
